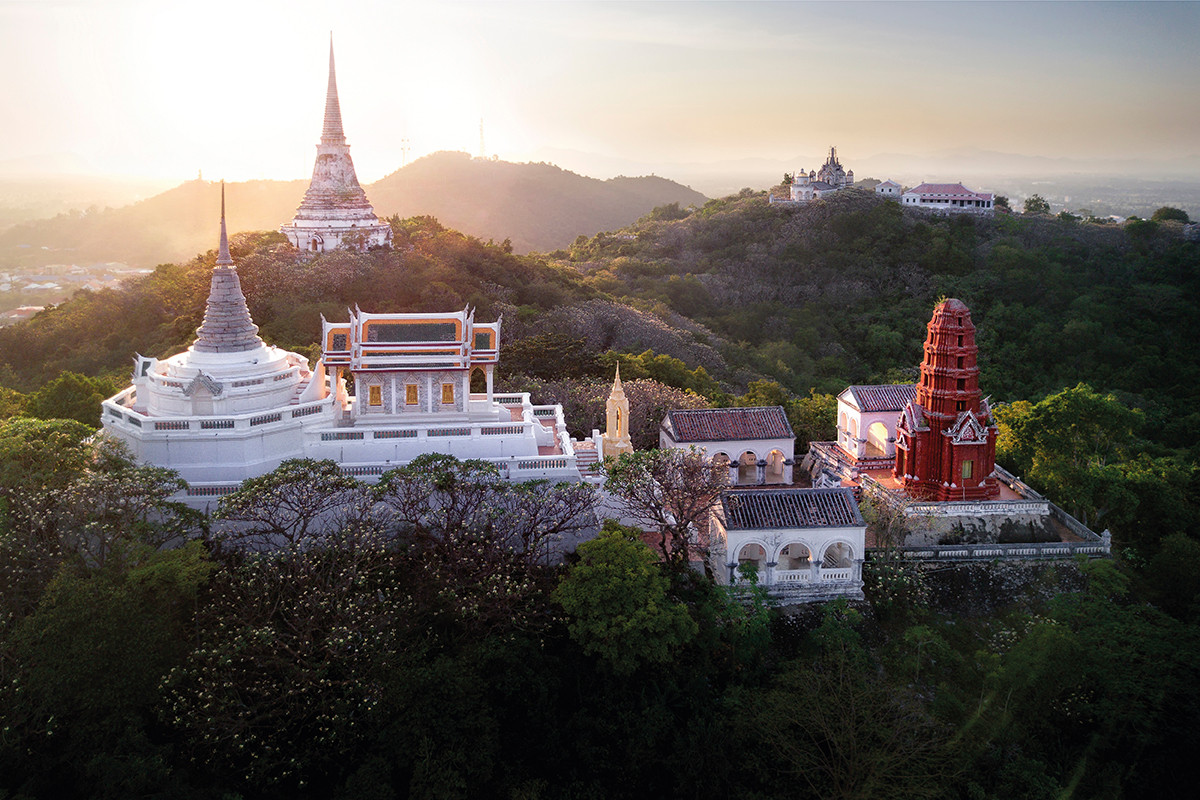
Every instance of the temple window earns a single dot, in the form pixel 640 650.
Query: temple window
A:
pixel 967 468
pixel 961 405
pixel 962 384
pixel 375 395
pixel 960 362
pixel 960 341
pixel 410 394
pixel 447 393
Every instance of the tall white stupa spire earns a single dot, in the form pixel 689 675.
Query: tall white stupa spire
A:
pixel 335 213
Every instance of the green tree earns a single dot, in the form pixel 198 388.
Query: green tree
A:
pixel 1069 445
pixel 70 396
pixel 616 596
pixel 763 393
pixel 291 656
pixel 1036 204
pixel 813 419
pixel 82 676
pixel 838 727
pixel 1168 213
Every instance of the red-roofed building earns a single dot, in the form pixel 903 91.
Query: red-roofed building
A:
pixel 866 421
pixel 948 198
pixel 756 443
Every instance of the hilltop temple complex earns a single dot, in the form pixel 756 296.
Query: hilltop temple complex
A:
pixel 832 177
pixel 928 451
pixel 231 407
pixel 335 213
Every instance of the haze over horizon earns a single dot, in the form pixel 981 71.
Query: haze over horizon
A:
pixel 162 89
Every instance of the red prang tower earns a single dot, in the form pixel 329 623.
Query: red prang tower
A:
pixel 945 439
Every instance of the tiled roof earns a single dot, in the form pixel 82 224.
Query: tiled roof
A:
pixel 728 424
pixel 790 508
pixel 948 190
pixel 889 397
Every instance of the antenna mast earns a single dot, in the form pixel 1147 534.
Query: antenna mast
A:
pixel 482 149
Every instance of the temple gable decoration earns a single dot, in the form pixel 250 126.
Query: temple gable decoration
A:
pixel 968 430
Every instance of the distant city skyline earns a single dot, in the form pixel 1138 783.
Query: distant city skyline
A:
pixel 163 89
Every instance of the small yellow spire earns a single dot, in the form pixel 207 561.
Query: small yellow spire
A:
pixel 616 437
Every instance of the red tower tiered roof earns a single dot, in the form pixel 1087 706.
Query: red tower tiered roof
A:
pixel 945 440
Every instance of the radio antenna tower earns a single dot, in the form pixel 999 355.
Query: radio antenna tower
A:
pixel 482 149
pixel 404 148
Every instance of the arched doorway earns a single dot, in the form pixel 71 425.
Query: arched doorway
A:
pixel 794 564
pixel 837 564
pixel 877 440
pixel 752 563
pixel 748 469
pixel 775 472
pixel 720 467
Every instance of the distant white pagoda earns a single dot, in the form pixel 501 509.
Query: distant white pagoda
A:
pixel 335 213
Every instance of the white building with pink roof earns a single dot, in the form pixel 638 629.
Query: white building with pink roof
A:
pixel 948 198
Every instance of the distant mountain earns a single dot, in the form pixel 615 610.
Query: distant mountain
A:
pixel 536 206
pixel 169 227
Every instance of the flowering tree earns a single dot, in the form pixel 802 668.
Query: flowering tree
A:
pixel 297 503
pixel 447 503
pixel 671 492
pixel 291 658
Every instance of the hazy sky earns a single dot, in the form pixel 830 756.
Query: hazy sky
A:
pixel 162 88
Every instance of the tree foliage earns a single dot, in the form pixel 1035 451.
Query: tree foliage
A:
pixel 1169 213
pixel 1036 204
pixel 617 598
pixel 671 492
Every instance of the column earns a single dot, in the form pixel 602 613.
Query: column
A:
pixel 769 578
pixel 733 473
pixel 787 470
pixel 760 472
pixel 487 373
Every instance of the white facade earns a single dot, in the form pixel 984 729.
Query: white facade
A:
pixel 889 189
pixel 756 444
pixel 867 417
pixel 802 545
pixel 948 198
pixel 231 407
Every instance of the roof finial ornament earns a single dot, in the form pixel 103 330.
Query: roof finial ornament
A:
pixel 223 257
